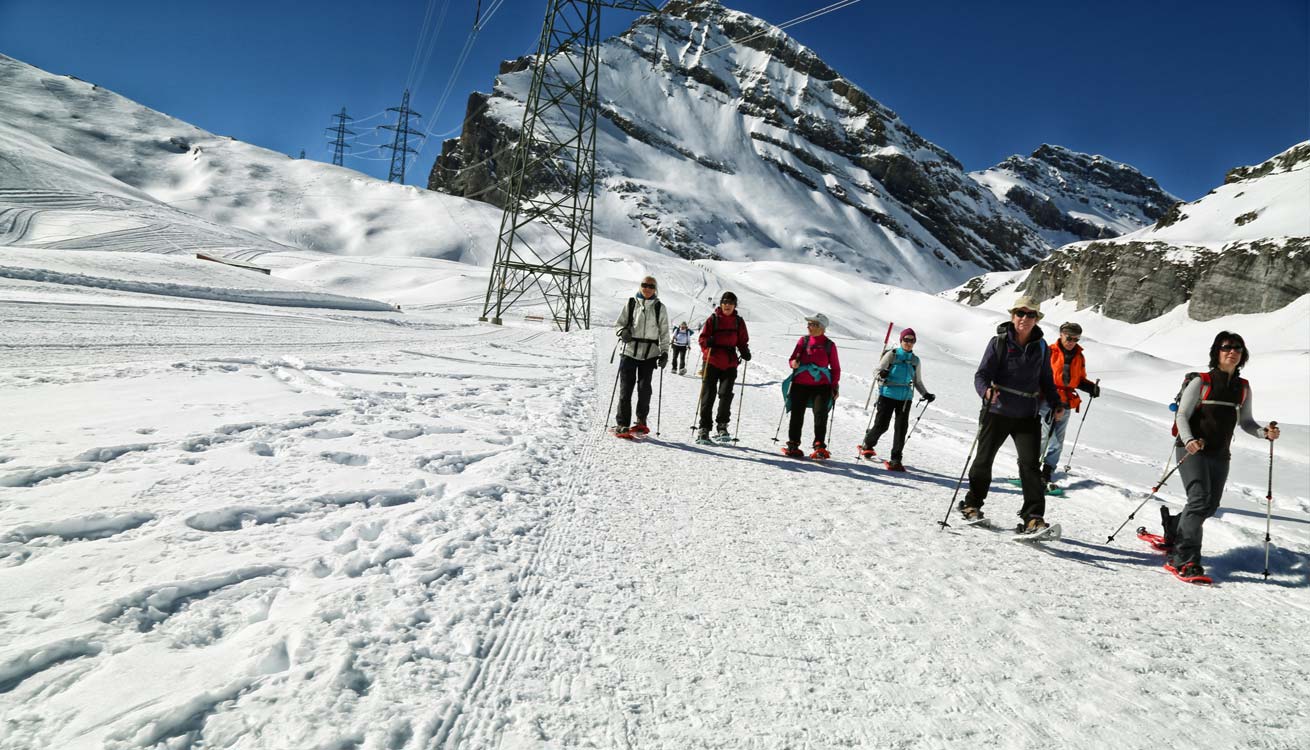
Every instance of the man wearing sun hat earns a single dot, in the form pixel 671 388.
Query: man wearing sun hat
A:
pixel 1014 379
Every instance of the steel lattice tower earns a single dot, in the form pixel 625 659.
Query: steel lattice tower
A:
pixel 400 148
pixel 339 142
pixel 557 140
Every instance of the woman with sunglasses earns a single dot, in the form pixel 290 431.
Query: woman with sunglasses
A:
pixel 813 383
pixel 1013 379
pixel 1209 409
pixel 898 371
pixel 1069 368
pixel 643 326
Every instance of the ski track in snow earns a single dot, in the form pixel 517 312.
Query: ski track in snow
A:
pixel 438 547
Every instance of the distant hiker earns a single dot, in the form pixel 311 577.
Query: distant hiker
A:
pixel 1211 406
pixel 1013 378
pixel 1069 370
pixel 816 375
pixel 643 326
pixel 681 341
pixel 722 339
pixel 898 371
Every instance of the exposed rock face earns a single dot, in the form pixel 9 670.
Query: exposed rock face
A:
pixel 1243 248
pixel 1067 196
pixel 723 137
pixel 1137 281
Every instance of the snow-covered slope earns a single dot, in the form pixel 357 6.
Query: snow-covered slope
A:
pixel 722 137
pixel 1242 248
pixel 1068 196
pixel 81 166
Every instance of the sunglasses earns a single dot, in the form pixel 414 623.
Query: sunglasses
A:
pixel 1024 314
pixel 1230 347
pixel 647 286
pixel 909 340
pixel 1073 338
pixel 811 324
pixel 727 302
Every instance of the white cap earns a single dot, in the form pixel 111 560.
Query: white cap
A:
pixel 819 318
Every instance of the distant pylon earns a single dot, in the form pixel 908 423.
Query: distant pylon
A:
pixel 339 142
pixel 400 147
pixel 302 154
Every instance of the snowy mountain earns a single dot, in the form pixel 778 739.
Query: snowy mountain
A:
pixel 722 137
pixel 1068 196
pixel 1242 248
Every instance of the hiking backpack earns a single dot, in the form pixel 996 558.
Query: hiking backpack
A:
pixel 1206 388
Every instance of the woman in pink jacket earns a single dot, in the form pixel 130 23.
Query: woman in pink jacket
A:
pixel 813 382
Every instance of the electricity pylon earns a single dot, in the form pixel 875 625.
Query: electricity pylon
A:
pixel 339 142
pixel 557 145
pixel 400 148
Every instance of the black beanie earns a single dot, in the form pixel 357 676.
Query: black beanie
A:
pixel 728 297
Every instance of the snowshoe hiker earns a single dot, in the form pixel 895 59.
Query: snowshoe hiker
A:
pixel 898 371
pixel 724 341
pixel 681 342
pixel 643 327
pixel 1069 370
pixel 814 382
pixel 1212 405
pixel 1013 379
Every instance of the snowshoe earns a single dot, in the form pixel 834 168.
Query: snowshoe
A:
pixel 894 465
pixel 1156 541
pixel 1037 530
pixel 820 452
pixel 865 452
pixel 625 433
pixel 1050 489
pixel 703 438
pixel 793 450
pixel 971 514
pixel 641 429
pixel 1189 572
pixel 723 436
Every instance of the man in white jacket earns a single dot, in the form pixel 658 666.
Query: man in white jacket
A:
pixel 643 325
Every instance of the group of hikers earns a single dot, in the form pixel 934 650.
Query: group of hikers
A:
pixel 1027 386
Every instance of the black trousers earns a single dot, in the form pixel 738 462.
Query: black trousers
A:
pixel 801 397
pixel 887 407
pixel 1026 432
pixel 717 383
pixel 1204 478
pixel 679 357
pixel 634 372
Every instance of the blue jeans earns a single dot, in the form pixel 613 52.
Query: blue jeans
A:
pixel 1054 432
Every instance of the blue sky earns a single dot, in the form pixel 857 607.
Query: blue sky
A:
pixel 1181 90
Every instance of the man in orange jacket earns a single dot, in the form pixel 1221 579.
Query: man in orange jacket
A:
pixel 1070 371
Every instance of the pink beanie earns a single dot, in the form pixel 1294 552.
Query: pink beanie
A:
pixel 908 332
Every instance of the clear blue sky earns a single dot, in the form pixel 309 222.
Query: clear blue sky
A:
pixel 1181 90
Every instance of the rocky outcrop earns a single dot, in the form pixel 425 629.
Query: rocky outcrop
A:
pixel 1137 281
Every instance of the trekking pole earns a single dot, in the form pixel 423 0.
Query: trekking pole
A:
pixel 1269 500
pixel 782 414
pixel 1149 497
pixel 1069 461
pixel 1050 433
pixel 659 404
pixel 741 400
pixel 982 417
pixel 832 417
pixel 916 420
pixel 704 373
pixel 874 384
pixel 610 409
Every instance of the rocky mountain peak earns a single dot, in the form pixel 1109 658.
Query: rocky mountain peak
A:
pixel 1294 158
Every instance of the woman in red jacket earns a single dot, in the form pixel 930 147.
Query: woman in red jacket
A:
pixel 814 380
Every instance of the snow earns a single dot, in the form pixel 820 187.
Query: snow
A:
pixel 231 522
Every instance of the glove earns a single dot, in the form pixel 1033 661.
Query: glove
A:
pixel 745 353
pixel 1096 391
pixel 664 360
pixel 930 398
pixel 834 392
pixel 884 374
pixel 625 335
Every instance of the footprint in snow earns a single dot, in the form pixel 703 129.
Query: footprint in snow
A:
pixel 343 458
pixel 327 434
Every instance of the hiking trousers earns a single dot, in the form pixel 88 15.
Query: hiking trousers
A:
pixel 717 383
pixel 679 357
pixel 888 407
pixel 800 397
pixel 634 372
pixel 1203 478
pixel 1026 433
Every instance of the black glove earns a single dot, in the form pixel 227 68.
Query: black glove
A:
pixel 664 360
pixel 884 374
pixel 745 353
pixel 834 393
pixel 930 398
pixel 625 335
pixel 1096 391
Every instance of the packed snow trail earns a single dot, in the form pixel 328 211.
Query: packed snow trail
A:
pixel 731 597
